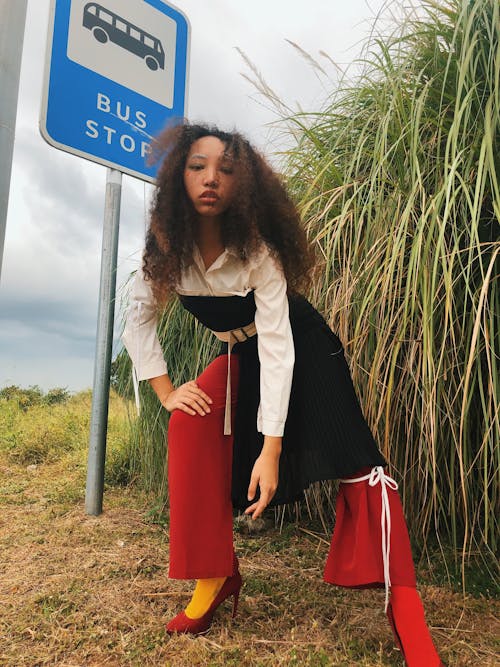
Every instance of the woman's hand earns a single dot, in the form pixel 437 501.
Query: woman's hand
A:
pixel 265 475
pixel 188 398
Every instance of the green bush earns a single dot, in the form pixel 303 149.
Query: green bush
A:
pixel 55 396
pixel 27 398
pixel 37 428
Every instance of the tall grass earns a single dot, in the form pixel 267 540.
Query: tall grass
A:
pixel 398 183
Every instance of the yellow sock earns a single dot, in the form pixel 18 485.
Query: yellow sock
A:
pixel 204 594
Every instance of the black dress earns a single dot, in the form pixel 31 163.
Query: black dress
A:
pixel 326 435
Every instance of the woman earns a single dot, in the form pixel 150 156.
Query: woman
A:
pixel 277 411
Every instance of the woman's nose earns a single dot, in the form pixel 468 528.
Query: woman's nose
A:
pixel 211 177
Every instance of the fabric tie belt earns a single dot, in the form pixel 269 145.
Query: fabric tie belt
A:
pixel 232 337
pixel 374 477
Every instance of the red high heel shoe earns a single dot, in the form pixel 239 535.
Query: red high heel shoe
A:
pixel 406 618
pixel 198 626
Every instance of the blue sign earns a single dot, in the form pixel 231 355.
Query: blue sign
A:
pixel 116 74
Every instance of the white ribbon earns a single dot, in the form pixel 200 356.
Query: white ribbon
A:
pixel 135 383
pixel 231 338
pixel 135 380
pixel 376 476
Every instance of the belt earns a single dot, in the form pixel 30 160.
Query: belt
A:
pixel 232 337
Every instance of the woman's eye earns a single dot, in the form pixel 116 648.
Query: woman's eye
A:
pixel 195 167
pixel 227 170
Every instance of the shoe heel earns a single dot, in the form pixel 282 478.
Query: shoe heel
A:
pixel 236 598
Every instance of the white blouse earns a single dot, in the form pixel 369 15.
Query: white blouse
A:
pixel 227 276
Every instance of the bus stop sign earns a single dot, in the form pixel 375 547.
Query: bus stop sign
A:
pixel 115 74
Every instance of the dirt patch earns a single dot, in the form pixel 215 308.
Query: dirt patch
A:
pixel 89 591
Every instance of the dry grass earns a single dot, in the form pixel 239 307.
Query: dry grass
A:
pixel 78 590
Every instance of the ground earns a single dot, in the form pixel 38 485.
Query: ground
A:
pixel 77 591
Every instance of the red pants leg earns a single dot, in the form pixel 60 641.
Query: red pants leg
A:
pixel 355 556
pixel 355 560
pixel 199 477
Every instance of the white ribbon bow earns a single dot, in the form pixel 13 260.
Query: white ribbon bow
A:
pixel 378 476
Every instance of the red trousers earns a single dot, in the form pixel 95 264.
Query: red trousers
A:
pixel 201 519
pixel 355 558
pixel 200 461
pixel 201 535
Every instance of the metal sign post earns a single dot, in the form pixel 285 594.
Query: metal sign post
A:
pixel 104 340
pixel 115 73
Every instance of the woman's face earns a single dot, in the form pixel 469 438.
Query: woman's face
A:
pixel 209 177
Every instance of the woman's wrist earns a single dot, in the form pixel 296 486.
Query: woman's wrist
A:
pixel 162 387
pixel 165 396
pixel 272 445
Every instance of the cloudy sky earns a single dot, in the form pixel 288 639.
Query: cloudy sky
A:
pixel 51 264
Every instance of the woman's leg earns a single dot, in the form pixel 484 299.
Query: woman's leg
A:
pixel 356 558
pixel 199 476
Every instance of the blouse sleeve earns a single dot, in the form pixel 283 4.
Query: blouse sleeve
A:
pixel 275 345
pixel 139 336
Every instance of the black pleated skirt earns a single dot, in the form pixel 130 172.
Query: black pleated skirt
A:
pixel 326 435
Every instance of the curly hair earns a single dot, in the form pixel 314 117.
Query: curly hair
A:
pixel 260 211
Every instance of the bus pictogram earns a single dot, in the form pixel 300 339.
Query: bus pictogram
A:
pixel 106 26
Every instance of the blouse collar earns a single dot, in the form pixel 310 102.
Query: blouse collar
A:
pixel 220 261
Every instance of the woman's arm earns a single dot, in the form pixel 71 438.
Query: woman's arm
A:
pixel 277 357
pixel 141 341
pixel 274 344
pixel 139 335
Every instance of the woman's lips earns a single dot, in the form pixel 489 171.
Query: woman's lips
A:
pixel 209 195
